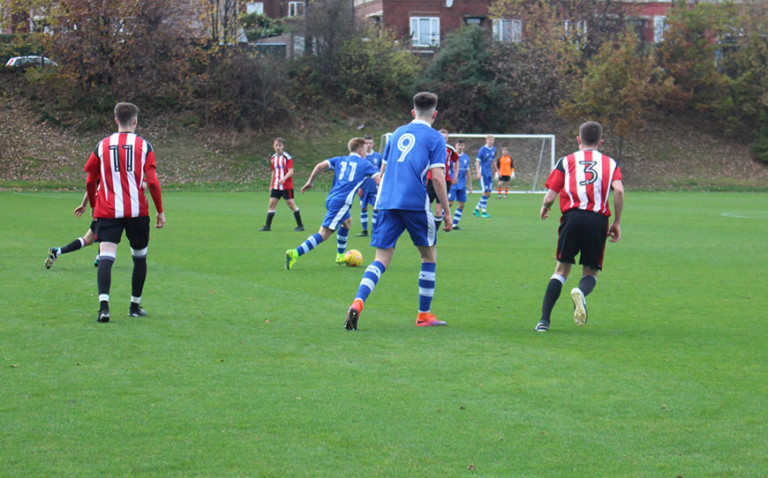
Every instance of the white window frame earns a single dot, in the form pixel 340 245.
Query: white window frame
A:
pixel 508 30
pixel 432 24
pixel 659 27
pixel 296 9
pixel 254 7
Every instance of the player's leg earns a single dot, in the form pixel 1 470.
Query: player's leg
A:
pixel 363 216
pixel 55 252
pixel 273 198
pixel 292 255
pixel 296 213
pixel 579 294
pixel 591 238
pixel 461 197
pixel 554 288
pixel 427 281
pixel 342 234
pixel 137 232
pixel 482 203
pixel 374 213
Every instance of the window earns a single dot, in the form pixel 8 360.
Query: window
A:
pixel 577 28
pixel 508 31
pixel 425 31
pixel 659 27
pixel 254 7
pixel 295 9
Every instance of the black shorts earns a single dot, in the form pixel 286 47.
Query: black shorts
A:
pixel 281 193
pixel 431 190
pixel 584 233
pixel 136 230
pixel 94 226
pixel 505 179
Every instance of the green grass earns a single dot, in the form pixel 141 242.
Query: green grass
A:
pixel 243 368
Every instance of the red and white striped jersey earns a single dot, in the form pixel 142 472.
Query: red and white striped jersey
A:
pixel 281 165
pixel 122 162
pixel 583 180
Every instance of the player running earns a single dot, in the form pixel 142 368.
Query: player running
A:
pixel 403 205
pixel 584 181
pixel 350 172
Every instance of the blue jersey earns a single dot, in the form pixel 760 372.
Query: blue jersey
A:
pixel 413 149
pixel 350 172
pixel 369 185
pixel 486 156
pixel 463 165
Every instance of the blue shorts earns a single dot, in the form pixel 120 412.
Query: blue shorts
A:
pixel 336 215
pixel 392 223
pixel 486 182
pixel 368 198
pixel 457 194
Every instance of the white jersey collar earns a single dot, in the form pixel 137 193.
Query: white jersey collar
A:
pixel 418 121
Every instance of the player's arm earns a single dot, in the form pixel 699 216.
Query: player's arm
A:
pixel 469 181
pixel 289 174
pixel 93 169
pixel 377 178
pixel 153 184
pixel 319 168
pixel 79 210
pixel 477 167
pixel 549 199
pixel 614 232
pixel 438 182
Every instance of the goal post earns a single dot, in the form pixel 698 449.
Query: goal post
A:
pixel 533 156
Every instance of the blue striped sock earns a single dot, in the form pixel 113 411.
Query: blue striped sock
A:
pixel 374 217
pixel 426 285
pixel 457 217
pixel 483 204
pixel 341 239
pixel 364 219
pixel 370 278
pixel 311 242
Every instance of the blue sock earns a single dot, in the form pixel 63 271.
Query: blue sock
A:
pixel 311 242
pixel 426 285
pixel 370 278
pixel 457 217
pixel 364 219
pixel 341 239
pixel 374 216
pixel 483 204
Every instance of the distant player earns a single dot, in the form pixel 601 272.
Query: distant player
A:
pixel 584 181
pixel 281 185
pixel 506 169
pixel 350 172
pixel 86 240
pixel 118 167
pixel 403 205
pixel 486 167
pixel 463 184
pixel 451 158
pixel 368 190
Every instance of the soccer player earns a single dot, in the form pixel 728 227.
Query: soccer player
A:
pixel 368 190
pixel 583 180
pixel 506 171
pixel 118 167
pixel 485 167
pixel 458 191
pixel 86 240
pixel 450 160
pixel 350 172
pixel 403 205
pixel 281 185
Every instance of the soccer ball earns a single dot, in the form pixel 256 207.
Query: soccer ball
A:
pixel 353 258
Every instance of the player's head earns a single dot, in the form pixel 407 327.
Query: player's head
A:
pixel 590 134
pixel 444 132
pixel 126 115
pixel 278 145
pixel 460 146
pixel 356 145
pixel 425 106
pixel 505 151
pixel 368 143
pixel 489 140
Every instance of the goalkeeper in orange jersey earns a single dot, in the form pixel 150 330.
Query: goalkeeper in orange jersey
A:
pixel 506 170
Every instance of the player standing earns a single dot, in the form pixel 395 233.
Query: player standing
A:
pixel 584 181
pixel 351 171
pixel 281 185
pixel 485 167
pixel 369 188
pixel 403 205
pixel 118 167
pixel 506 168
pixel 458 191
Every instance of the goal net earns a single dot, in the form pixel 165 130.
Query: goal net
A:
pixel 533 156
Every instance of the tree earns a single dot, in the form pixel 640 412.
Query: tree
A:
pixel 620 89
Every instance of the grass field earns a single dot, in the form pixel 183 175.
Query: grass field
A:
pixel 243 368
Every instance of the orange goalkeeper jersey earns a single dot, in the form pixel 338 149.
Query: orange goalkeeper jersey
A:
pixel 506 167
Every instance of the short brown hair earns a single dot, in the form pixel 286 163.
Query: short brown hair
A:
pixel 125 113
pixel 279 140
pixel 355 144
pixel 590 133
pixel 424 102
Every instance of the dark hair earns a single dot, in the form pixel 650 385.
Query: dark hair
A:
pixel 125 113
pixel 590 133
pixel 368 137
pixel 459 141
pixel 424 102
pixel 355 144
